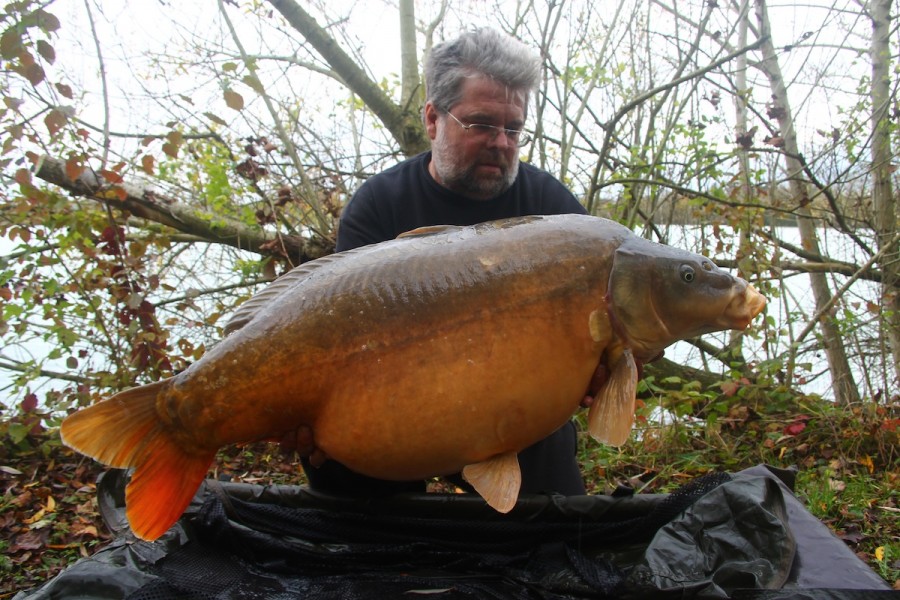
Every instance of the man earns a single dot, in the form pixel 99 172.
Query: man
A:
pixel 478 87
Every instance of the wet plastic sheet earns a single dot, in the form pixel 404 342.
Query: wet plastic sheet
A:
pixel 741 536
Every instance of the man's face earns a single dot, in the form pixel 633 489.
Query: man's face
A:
pixel 473 164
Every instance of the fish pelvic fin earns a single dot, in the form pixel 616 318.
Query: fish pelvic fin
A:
pixel 497 479
pixel 125 432
pixel 612 413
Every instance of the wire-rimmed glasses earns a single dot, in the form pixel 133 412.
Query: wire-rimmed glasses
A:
pixel 519 137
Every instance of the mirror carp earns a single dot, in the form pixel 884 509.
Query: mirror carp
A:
pixel 447 349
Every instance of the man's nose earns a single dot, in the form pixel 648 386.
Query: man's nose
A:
pixel 500 140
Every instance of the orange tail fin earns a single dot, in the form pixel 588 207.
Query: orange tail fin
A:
pixel 124 432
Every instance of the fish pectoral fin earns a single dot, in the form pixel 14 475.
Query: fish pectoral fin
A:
pixel 497 479
pixel 126 432
pixel 599 326
pixel 612 413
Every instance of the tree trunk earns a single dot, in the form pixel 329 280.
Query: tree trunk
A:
pixel 882 191
pixel 845 390
pixel 740 118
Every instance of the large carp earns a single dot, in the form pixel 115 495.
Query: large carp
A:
pixel 448 349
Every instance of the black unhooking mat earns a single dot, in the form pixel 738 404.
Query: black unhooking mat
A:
pixel 742 536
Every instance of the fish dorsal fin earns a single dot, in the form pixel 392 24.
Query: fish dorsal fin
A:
pixel 612 413
pixel 428 230
pixel 497 479
pixel 249 309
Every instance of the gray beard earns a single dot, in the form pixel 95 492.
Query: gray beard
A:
pixel 462 179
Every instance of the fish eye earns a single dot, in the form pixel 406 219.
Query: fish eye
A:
pixel 687 273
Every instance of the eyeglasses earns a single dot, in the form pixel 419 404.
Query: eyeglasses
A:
pixel 519 137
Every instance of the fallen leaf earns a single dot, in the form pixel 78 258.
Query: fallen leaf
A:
pixel 867 462
pixel 30 540
pixel 836 485
pixel 795 428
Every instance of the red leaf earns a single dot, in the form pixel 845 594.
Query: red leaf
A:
pixel 729 388
pixel 29 403
pixel 794 428
pixel 111 176
pixel 74 168
pixel 797 426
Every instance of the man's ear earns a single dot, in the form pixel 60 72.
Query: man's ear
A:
pixel 431 117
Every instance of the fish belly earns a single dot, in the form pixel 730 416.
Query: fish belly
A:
pixel 462 394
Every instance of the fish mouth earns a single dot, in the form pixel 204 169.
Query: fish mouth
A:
pixel 744 308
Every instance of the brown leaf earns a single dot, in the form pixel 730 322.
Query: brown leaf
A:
pixel 85 530
pixel 46 51
pixel 775 111
pixel 745 140
pixel 55 120
pixel 175 136
pixel 46 21
pixel 64 90
pixel 33 73
pixel 250 169
pixel 254 83
pixel 34 539
pixel 10 43
pixel 13 103
pixel 23 177
pixel 215 118
pixel 233 100
pixel 147 163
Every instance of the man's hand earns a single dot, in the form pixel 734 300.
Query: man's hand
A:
pixel 601 375
pixel 301 441
pixel 598 380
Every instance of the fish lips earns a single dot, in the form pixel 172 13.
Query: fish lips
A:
pixel 745 306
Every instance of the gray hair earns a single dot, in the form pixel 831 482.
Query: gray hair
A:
pixel 482 51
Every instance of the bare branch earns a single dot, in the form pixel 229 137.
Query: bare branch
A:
pixel 147 204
